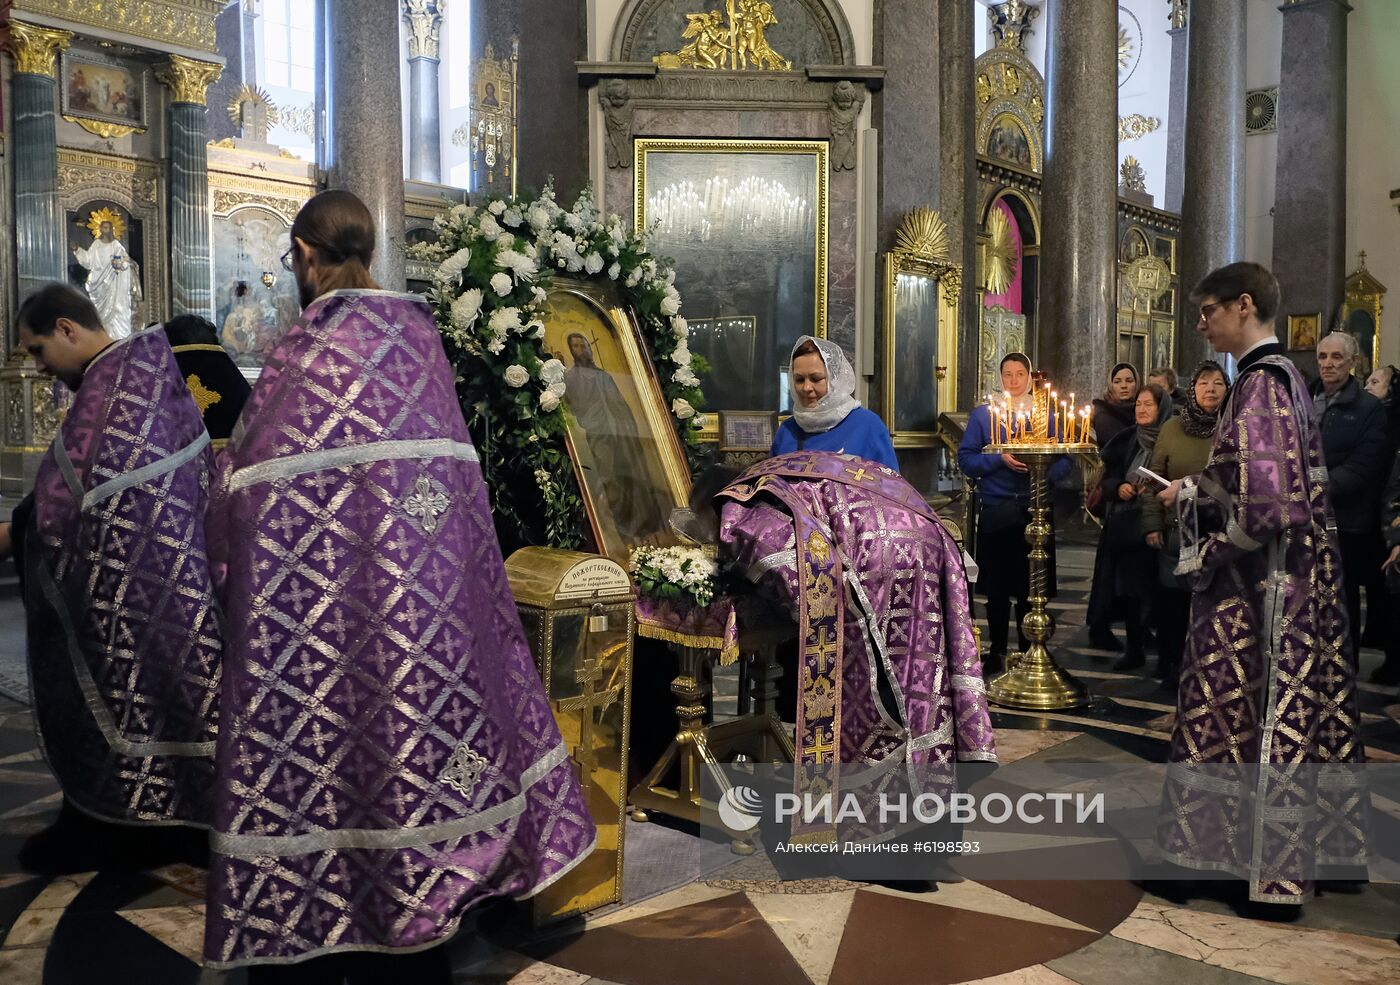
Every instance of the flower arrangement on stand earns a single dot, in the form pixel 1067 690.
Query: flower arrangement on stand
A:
pixel 494 267
pixel 676 574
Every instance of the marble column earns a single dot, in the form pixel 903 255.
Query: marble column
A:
pixel 40 244
pixel 1310 183
pixel 553 116
pixel 1077 322
pixel 1176 109
pixel 1212 204
pixel 424 20
pixel 366 132
pixel 191 270
pixel 957 200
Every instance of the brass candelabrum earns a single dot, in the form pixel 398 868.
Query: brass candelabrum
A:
pixel 1033 680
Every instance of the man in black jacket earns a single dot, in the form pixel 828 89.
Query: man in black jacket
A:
pixel 1355 444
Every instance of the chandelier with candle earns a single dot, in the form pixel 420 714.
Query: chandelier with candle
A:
pixel 728 213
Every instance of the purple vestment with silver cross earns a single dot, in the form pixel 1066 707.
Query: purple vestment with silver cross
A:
pixel 877 588
pixel 1264 780
pixel 124 637
pixel 389 757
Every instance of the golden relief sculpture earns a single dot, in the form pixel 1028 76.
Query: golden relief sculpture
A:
pixel 97 217
pixel 738 44
pixel 252 110
pixel 182 23
pixel 188 79
pixel 923 235
pixel 109 131
pixel 1134 178
pixel 35 49
pixel 1135 126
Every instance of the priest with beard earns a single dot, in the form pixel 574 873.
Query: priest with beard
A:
pixel 389 757
pixel 124 636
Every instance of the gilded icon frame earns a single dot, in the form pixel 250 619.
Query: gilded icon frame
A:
pixel 944 280
pixel 1303 331
pixel 670 486
pixel 104 123
pixel 646 154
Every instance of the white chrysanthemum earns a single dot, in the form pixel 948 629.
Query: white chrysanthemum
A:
pixel 496 346
pixel 516 375
pixel 512 217
pixel 489 227
pixel 504 320
pixel 682 408
pixel 670 306
pixel 466 308
pixel 614 270
pixel 538 217
pixel 680 328
pixel 502 284
pixel 552 371
pixel 450 269
pixel 635 277
pixel 593 263
pixel 538 294
pixel 549 400
pixel 520 266
pixel 497 207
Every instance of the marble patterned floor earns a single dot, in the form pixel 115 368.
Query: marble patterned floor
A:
pixel 693 913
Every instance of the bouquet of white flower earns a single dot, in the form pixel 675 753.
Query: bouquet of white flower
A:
pixel 684 574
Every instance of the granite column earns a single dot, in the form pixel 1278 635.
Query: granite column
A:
pixel 1078 319
pixel 1176 109
pixel 553 114
pixel 1212 204
pixel 39 233
pixel 494 136
pixel 957 199
pixel 1310 184
pixel 366 128
pixel 424 20
pixel 191 270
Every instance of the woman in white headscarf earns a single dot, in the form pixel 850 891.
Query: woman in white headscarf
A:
pixel 826 416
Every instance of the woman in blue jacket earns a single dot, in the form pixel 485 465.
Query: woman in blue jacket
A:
pixel 826 416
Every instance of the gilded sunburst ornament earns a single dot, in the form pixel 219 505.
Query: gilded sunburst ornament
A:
pixel 924 234
pixel 1001 255
pixel 1125 48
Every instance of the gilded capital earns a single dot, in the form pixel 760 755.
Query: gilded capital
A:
pixel 1178 13
pixel 424 19
pixel 35 49
pixel 188 79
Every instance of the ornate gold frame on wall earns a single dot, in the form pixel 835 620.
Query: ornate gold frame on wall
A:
pixel 657 416
pixel 1362 292
pixel 921 250
pixel 818 149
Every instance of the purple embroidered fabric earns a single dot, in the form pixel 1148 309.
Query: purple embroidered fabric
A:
pixel 388 756
pixel 124 638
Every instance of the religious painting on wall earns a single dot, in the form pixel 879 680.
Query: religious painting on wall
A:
pixel 746 223
pixel 1008 142
pixel 103 91
pixel 1302 331
pixel 1163 333
pixel 255 299
pixel 493 119
pixel 106 254
pixel 631 468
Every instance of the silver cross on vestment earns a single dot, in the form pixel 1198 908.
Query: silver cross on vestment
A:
pixel 425 504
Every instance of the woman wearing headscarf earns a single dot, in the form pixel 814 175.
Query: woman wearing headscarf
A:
pixel 826 416
pixel 1114 411
pixel 1124 573
pixel 1182 450
pixel 1003 510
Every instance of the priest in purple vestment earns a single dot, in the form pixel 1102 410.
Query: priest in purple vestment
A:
pixel 887 664
pixel 124 636
pixel 389 758
pixel 1263 780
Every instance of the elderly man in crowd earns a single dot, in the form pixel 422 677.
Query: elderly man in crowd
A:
pixel 1355 446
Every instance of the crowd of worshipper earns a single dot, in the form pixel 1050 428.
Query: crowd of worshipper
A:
pixel 307 645
pixel 1167 430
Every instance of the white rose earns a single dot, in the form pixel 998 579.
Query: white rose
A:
pixel 700 420
pixel 681 408
pixel 489 227
pixel 593 263
pixel 681 357
pixel 466 307
pixel 680 327
pixel 548 401
pixel 538 327
pixel 685 376
pixel 574 263
pixel 512 216
pixel 635 277
pixel 497 207
pixel 670 306
pixel 558 389
pixel 614 270
pixel 503 320
pixel 516 375
pixel 502 284
pixel 552 371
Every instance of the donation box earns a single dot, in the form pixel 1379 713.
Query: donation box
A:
pixel 577 610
